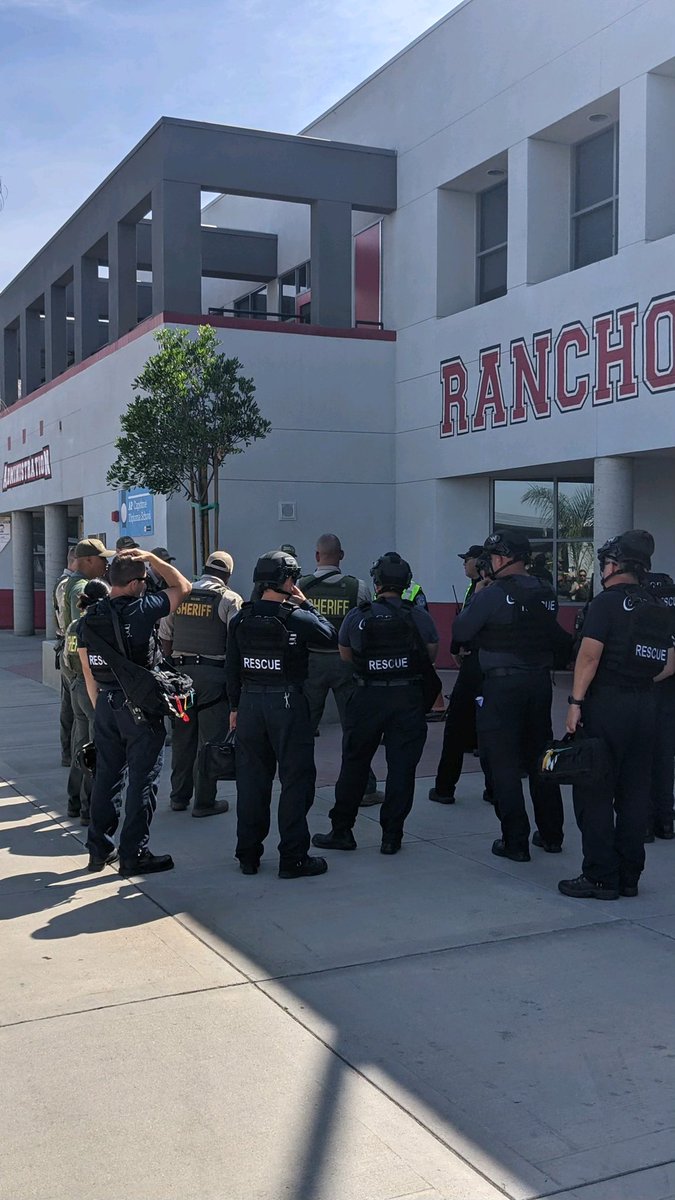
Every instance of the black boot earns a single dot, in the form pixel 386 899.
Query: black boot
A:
pixel 337 839
pixel 582 888
pixel 500 848
pixel 146 864
pixel 302 868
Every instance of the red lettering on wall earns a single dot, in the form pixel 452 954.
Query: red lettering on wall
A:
pixel 454 381
pixel 615 349
pixel 490 394
pixel 530 379
pixel 659 319
pixel 572 339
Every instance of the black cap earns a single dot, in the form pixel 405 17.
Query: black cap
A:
pixel 512 543
pixel 126 543
pixel 472 552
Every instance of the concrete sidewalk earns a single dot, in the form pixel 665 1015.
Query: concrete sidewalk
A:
pixel 438 1024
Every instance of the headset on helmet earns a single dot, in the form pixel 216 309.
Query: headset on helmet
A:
pixel 391 572
pixel 632 550
pixel 275 568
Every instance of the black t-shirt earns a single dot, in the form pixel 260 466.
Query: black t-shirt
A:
pixel 138 618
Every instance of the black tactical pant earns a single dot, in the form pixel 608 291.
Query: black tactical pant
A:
pixel 274 730
pixel 209 722
pixel 65 720
pixel 328 673
pixel 80 781
pixel 125 753
pixel 514 724
pixel 612 813
pixel 663 759
pixel 459 735
pixel 397 715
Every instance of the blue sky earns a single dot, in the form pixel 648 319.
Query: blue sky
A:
pixel 83 80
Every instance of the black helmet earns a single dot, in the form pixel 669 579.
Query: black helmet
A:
pixel 632 550
pixel 391 572
pixel 275 568
pixel 509 542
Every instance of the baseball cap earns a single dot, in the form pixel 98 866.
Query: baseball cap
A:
pixel 163 553
pixel 221 560
pixel 287 548
pixel 472 552
pixel 92 548
pixel 126 543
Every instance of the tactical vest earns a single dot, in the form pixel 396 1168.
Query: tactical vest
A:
pixel 70 654
pixel 389 644
pixel 197 627
pixel 265 645
pixel 332 600
pixel 58 604
pixel 144 654
pixel 662 587
pixel 639 649
pixel 528 634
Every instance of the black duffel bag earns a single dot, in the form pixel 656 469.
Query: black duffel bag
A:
pixel 216 760
pixel 577 758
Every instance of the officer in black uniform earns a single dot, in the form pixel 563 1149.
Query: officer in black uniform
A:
pixel 126 751
pixel 459 735
pixel 627 645
pixel 660 816
pixel 199 638
pixel 512 620
pixel 387 641
pixel 266 665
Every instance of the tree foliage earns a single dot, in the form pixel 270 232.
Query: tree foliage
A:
pixel 192 410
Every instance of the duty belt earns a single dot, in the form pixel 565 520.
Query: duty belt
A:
pixel 500 672
pixel 271 687
pixel 194 660
pixel 387 682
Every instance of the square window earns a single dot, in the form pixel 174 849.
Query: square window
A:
pixel 492 275
pixel 594 235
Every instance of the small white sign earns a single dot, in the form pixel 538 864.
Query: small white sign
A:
pixel 5 532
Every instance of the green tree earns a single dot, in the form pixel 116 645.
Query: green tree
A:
pixel 575 512
pixel 192 410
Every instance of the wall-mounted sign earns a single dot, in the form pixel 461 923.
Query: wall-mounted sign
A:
pixel 27 470
pixel 5 532
pixel 137 512
pixel 603 364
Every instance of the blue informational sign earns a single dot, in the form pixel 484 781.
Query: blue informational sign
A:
pixel 137 512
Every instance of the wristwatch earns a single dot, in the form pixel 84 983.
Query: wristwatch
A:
pixel 571 700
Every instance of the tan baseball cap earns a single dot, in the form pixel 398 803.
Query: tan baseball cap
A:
pixel 222 560
pixel 92 548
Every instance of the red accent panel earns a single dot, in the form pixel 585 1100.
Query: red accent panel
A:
pixel 7 609
pixel 367 274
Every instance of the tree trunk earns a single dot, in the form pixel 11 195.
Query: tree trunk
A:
pixel 193 525
pixel 204 514
pixel 216 504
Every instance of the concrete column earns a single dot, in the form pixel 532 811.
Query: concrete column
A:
pixel 176 247
pixel 85 306
pixel 9 379
pixel 56 332
pixel 56 551
pixel 22 569
pixel 612 498
pixel 331 257
pixel 633 161
pixel 30 345
pixel 122 315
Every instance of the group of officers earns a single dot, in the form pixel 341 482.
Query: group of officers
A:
pixel 264 668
